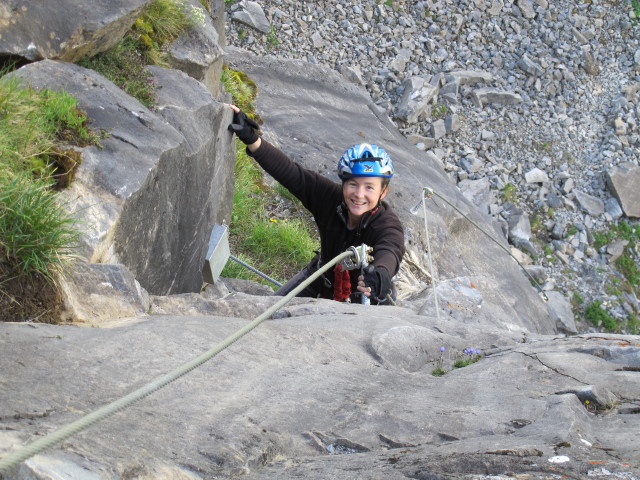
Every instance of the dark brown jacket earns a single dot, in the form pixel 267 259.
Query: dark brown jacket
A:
pixel 380 228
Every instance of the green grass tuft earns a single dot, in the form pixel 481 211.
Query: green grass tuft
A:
pixel 33 123
pixel 600 317
pixel 242 89
pixel 37 235
pixel 509 193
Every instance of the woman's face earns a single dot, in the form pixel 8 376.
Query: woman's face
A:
pixel 362 194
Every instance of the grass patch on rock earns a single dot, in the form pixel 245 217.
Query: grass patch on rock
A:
pixel 278 245
pixel 618 313
pixel 161 23
pixel 38 132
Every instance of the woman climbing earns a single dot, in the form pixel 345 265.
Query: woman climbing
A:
pixel 347 214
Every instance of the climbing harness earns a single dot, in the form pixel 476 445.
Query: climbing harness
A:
pixel 428 193
pixel 341 283
pixel 361 256
pixel 83 423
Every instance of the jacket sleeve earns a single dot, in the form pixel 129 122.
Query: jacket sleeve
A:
pixel 388 242
pixel 312 189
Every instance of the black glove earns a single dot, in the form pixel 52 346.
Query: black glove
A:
pixel 244 127
pixel 379 280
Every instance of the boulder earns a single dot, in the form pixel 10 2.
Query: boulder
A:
pixel 98 292
pixel 417 95
pixel 149 194
pixel 527 9
pixel 589 204
pixel 488 95
pixel 624 182
pixel 198 52
pixel 438 129
pixel 471 163
pixel 65 30
pixel 252 15
pixel 519 228
pixel 452 123
pixel 561 312
pixel 535 175
pixel 530 67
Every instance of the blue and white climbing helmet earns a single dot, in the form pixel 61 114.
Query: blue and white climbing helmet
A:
pixel 365 160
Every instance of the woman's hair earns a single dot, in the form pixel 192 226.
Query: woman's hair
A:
pixel 385 181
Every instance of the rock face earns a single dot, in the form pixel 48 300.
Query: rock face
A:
pixel 322 389
pixel 149 195
pixel 323 380
pixel 66 30
pixel 198 52
pixel 342 115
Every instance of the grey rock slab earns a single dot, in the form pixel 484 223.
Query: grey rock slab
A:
pixel 469 77
pixel 590 204
pixel 326 115
pixel 478 191
pixel 624 182
pixel 67 30
pixel 489 95
pixel 295 388
pixel 561 311
pixel 98 292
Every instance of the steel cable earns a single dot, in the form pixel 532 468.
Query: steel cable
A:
pixel 70 429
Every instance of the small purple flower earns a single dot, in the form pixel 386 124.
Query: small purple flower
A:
pixel 442 349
